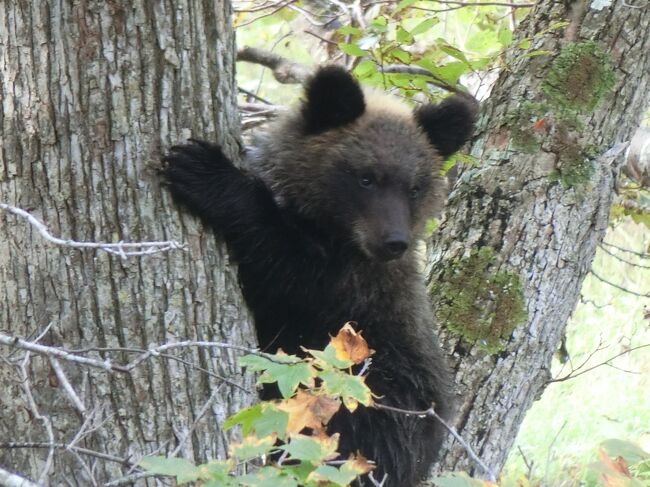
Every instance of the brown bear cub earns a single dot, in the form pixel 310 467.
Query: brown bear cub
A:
pixel 323 223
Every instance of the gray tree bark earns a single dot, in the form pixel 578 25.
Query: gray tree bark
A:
pixel 92 92
pixel 526 222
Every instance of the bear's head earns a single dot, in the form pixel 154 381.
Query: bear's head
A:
pixel 362 166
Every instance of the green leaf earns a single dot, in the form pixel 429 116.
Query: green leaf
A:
pixel 301 471
pixel 269 477
pixel 217 474
pixel 341 477
pixel 403 36
pixel 183 470
pixel 525 44
pixel 404 4
pixel 311 449
pixel 252 447
pixel 271 421
pixel 380 21
pixel 349 30
pixel 327 358
pixel 338 383
pixel 482 41
pixel 424 26
pixel 264 419
pixel 505 37
pixel 452 51
pixel 401 55
pixel 288 374
pixel 451 72
pixel 365 68
pixel 351 49
pixel 246 417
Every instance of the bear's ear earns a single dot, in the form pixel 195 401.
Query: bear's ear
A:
pixel 448 124
pixel 333 98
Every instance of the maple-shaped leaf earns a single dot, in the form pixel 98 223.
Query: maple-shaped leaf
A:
pixel 350 345
pixel 313 449
pixel 307 410
pixel 352 388
pixel 252 447
pixel 345 474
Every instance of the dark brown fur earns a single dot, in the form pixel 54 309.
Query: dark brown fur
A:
pixel 324 228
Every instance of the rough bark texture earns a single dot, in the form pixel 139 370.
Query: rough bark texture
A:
pixel 91 92
pixel 537 206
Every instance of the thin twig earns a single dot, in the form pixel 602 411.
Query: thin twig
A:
pixel 279 6
pixel 123 249
pixel 253 95
pixel 59 353
pixel 643 255
pixel 550 451
pixel 63 380
pixel 64 446
pixel 432 413
pixel 529 465
pixel 618 286
pixel 47 422
pixel 213 397
pixel 573 375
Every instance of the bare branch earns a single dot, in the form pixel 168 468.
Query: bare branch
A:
pixel 618 257
pixel 643 255
pixel 59 353
pixel 152 352
pixel 47 422
pixel 123 249
pixel 63 380
pixel 432 414
pixel 618 286
pixel 276 8
pixel 574 373
pixel 63 446
pixel 284 70
pixel 107 365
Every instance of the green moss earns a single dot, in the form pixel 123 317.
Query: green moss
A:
pixel 576 166
pixel 480 305
pixel 579 77
pixel 522 127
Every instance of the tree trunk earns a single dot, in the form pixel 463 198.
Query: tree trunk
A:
pixel 520 230
pixel 91 93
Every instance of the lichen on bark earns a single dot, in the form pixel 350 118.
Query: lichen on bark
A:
pixel 479 303
pixel 579 77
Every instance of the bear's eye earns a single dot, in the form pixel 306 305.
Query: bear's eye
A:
pixel 415 192
pixel 366 181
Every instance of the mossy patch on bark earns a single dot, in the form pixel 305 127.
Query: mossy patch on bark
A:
pixel 478 303
pixel 579 77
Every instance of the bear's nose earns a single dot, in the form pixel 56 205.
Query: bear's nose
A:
pixel 395 246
